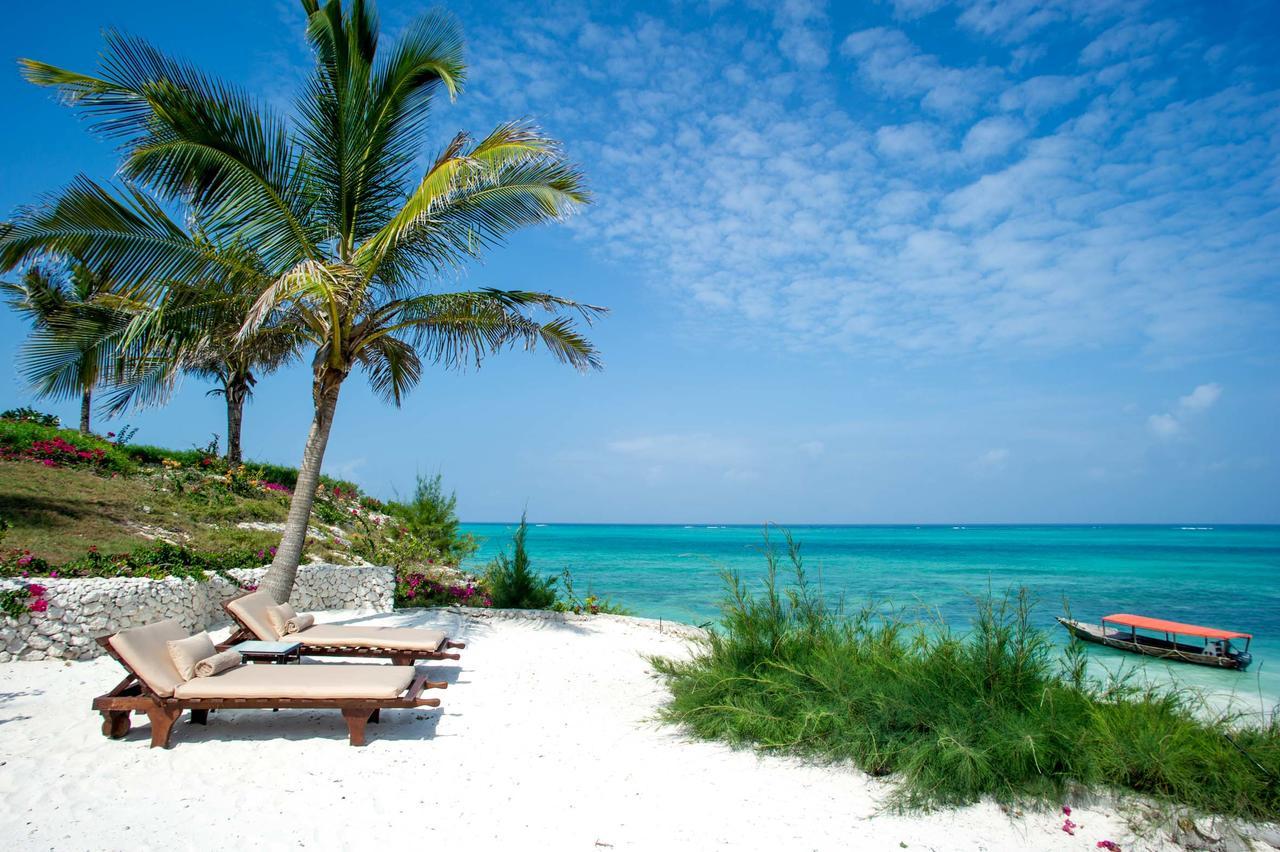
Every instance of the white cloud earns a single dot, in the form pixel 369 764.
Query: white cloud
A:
pixel 803 34
pixel 1202 398
pixel 974 209
pixel 918 141
pixel 888 60
pixel 992 137
pixel 1164 425
pixel 1126 40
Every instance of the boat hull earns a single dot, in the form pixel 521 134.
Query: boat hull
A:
pixel 1151 647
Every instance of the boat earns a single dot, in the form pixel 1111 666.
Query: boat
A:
pixel 1120 631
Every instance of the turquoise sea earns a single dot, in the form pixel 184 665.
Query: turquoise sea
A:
pixel 1224 576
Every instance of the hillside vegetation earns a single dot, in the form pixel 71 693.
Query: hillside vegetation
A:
pixel 62 492
pixel 79 505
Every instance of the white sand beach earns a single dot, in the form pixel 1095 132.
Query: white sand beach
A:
pixel 546 739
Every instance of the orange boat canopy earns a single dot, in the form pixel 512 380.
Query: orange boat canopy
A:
pixel 1162 626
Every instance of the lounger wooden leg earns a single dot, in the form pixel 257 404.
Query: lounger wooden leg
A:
pixel 452 644
pixel 115 724
pixel 356 718
pixel 402 659
pixel 199 717
pixel 376 716
pixel 162 719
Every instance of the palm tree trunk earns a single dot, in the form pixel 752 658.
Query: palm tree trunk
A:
pixel 235 394
pixel 279 577
pixel 85 400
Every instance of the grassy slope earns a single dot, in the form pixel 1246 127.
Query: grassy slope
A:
pixel 59 512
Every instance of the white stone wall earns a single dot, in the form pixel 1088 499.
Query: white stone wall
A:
pixel 82 609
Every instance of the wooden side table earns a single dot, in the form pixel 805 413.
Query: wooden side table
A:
pixel 257 651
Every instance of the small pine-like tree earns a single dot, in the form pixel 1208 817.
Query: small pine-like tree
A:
pixel 512 582
pixel 432 516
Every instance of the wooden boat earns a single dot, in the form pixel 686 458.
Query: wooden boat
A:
pixel 1120 631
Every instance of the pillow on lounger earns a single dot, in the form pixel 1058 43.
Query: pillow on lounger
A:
pixel 279 616
pixel 299 623
pixel 210 666
pixel 185 653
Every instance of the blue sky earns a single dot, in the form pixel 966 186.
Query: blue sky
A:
pixel 910 261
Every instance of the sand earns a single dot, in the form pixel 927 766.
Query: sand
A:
pixel 546 739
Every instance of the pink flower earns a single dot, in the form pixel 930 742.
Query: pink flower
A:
pixel 53 575
pixel 36 590
pixel 1109 845
pixel 39 605
pixel 24 560
pixel 1069 827
pixel 1066 810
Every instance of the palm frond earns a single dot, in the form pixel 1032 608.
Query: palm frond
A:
pixel 192 137
pixel 393 367
pixel 461 329
pixel 126 232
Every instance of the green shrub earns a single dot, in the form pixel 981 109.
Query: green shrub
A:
pixel 27 414
pixel 592 604
pixel 511 581
pixel 27 441
pixel 956 717
pixel 435 587
pixel 154 561
pixel 432 517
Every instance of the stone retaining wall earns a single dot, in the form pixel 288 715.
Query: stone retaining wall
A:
pixel 81 609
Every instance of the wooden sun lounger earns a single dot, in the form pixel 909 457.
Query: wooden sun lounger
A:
pixel 133 695
pixel 398 655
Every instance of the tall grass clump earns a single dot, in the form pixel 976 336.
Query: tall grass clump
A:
pixel 956 716
pixel 512 581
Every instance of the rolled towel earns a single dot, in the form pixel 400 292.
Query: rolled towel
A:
pixel 299 623
pixel 185 653
pixel 210 666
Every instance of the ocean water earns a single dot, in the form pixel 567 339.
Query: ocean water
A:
pixel 1223 576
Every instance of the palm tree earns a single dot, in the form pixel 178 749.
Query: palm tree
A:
pixel 70 349
pixel 196 330
pixel 348 235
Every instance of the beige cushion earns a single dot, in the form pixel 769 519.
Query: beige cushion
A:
pixel 279 617
pixel 146 651
pixel 297 681
pixel 210 666
pixel 394 638
pixel 299 623
pixel 252 611
pixel 185 653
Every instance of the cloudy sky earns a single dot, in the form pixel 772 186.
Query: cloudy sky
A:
pixel 911 261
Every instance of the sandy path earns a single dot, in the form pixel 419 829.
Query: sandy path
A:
pixel 545 741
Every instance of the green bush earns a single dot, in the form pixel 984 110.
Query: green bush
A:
pixel 27 441
pixel 592 604
pixel 432 517
pixel 956 717
pixel 511 581
pixel 154 561
pixel 27 414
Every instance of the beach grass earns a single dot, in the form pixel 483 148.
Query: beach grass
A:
pixel 956 716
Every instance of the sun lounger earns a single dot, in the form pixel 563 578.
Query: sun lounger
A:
pixel 155 687
pixel 401 645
